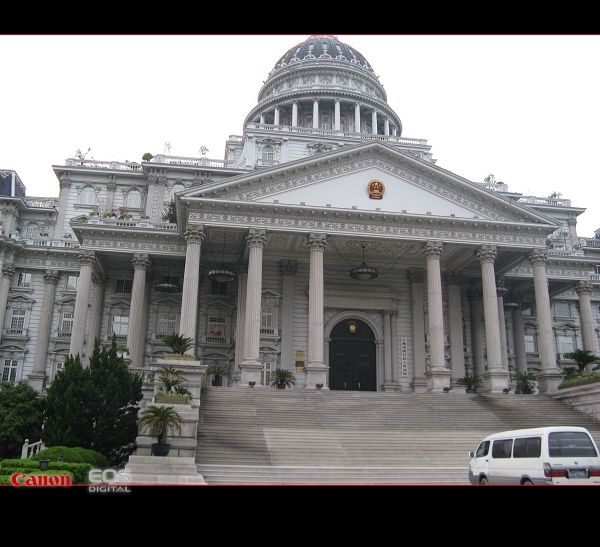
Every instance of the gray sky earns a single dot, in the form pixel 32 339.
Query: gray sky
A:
pixel 524 108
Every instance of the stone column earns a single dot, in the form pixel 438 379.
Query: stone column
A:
pixel 37 377
pixel 295 113
pixel 550 376
pixel 500 292
pixel 519 333
pixel 495 379
pixel 288 271
pixel 251 366
pixel 110 187
pixel 99 281
pixel 416 278
pixel 262 118
pixel 152 183
pixel 8 272
pixel 572 222
pixel 316 371
pixel 161 182
pixel 194 236
pixel 316 114
pixel 356 118
pixel 145 316
pixel 386 126
pixel 438 376
pixel 137 323
pixel 242 271
pixel 337 115
pixel 455 320
pixel 276 116
pixel 374 122
pixel 584 290
pixel 477 332
pixel 86 260
pixel 63 196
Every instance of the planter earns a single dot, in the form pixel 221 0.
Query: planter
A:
pixel 217 381
pixel 171 399
pixel 281 385
pixel 178 357
pixel 160 449
pixel 470 390
pixel 526 391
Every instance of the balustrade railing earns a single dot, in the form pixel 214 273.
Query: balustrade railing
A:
pixel 121 166
pixel 545 201
pixel 29 450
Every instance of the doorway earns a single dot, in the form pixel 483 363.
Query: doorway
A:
pixel 352 357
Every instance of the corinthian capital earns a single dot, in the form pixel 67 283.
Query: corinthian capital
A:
pixel 256 238
pixel 487 253
pixel 194 233
pixel 86 257
pixel 316 242
pixel 538 257
pixel 51 277
pixel 433 250
pixel 416 276
pixel 289 267
pixel 8 270
pixel 583 287
pixel 141 261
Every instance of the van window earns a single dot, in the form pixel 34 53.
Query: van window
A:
pixel 570 444
pixel 530 447
pixel 502 448
pixel 483 449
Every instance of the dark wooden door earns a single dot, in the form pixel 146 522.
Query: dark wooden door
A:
pixel 352 357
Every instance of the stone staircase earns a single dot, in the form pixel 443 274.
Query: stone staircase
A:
pixel 293 436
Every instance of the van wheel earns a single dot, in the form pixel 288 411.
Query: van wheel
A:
pixel 527 482
pixel 483 480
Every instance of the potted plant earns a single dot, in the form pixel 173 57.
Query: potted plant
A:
pixel 525 382
pixel 470 381
pixel 282 378
pixel 179 344
pixel 171 391
pixel 218 372
pixel 158 420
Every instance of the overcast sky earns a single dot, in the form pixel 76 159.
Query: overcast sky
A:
pixel 523 108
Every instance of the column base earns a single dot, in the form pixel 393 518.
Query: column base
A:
pixel 316 373
pixel 437 379
pixel 37 381
pixel 549 380
pixel 250 372
pixel 419 385
pixel 495 380
pixel 391 386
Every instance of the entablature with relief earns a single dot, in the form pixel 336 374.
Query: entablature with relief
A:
pixel 368 224
pixel 124 243
pixel 552 273
pixel 27 261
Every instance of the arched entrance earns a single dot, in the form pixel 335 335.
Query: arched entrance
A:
pixel 352 357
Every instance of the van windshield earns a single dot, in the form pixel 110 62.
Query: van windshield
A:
pixel 570 444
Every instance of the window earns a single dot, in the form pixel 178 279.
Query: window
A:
pixel 530 343
pixel 177 188
pixel 566 344
pixel 24 279
pixel 562 309
pixel 265 375
pixel 570 444
pixel 58 367
pixel 123 286
pixel 17 321
pixel 531 447
pixel 217 287
pixel 502 448
pixel 66 324
pixel 32 231
pixel 216 329
pixel 266 320
pixel 167 324
pixel 71 283
pixel 119 327
pixel 268 155
pixel 9 371
pixel 526 308
pixel 87 196
pixel 483 449
pixel 134 199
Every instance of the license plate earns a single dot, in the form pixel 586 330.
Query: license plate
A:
pixel 577 474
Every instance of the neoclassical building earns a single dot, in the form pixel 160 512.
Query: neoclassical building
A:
pixel 324 242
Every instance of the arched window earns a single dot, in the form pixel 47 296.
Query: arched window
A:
pixel 176 189
pixel 134 199
pixel 87 196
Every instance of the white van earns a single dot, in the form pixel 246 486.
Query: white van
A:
pixel 542 455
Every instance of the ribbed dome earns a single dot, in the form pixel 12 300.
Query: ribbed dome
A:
pixel 322 47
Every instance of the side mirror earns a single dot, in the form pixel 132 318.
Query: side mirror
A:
pixel 471 454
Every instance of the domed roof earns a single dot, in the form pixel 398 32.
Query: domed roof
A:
pixel 323 46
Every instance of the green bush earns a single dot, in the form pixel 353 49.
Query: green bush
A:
pixel 581 379
pixel 70 455
pixel 79 471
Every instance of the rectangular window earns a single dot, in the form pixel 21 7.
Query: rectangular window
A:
pixel 120 326
pixel 9 371
pixel 216 287
pixel 526 308
pixel 167 324
pixel 265 376
pixel 24 279
pixel 17 321
pixel 216 329
pixel 566 344
pixel 123 286
pixel 570 444
pixel 266 320
pixel 72 282
pixel 562 309
pixel 530 345
pixel 57 368
pixel 66 324
pixel 531 447
pixel 502 448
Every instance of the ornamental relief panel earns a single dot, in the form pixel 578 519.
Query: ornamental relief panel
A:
pixel 129 245
pixel 551 272
pixel 314 174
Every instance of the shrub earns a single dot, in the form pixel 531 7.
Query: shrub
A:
pixel 581 379
pixel 70 455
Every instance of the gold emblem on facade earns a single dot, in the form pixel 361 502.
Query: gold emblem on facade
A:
pixel 376 189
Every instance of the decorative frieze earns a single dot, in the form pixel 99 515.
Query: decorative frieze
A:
pixel 135 246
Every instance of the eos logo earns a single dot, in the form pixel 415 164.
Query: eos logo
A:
pixel 108 476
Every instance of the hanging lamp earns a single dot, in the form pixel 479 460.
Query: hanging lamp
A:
pixel 363 272
pixel 222 274
pixel 168 286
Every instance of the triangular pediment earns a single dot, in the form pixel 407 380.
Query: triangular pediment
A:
pixel 218 304
pixel 21 299
pixel 341 180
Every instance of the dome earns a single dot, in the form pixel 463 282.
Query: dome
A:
pixel 322 47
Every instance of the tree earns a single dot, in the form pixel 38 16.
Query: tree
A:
pixel 20 417
pixel 95 407
pixel 583 357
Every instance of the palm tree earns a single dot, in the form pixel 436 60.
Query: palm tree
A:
pixel 178 343
pixel 159 420
pixel 282 377
pixel 170 377
pixel 583 357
